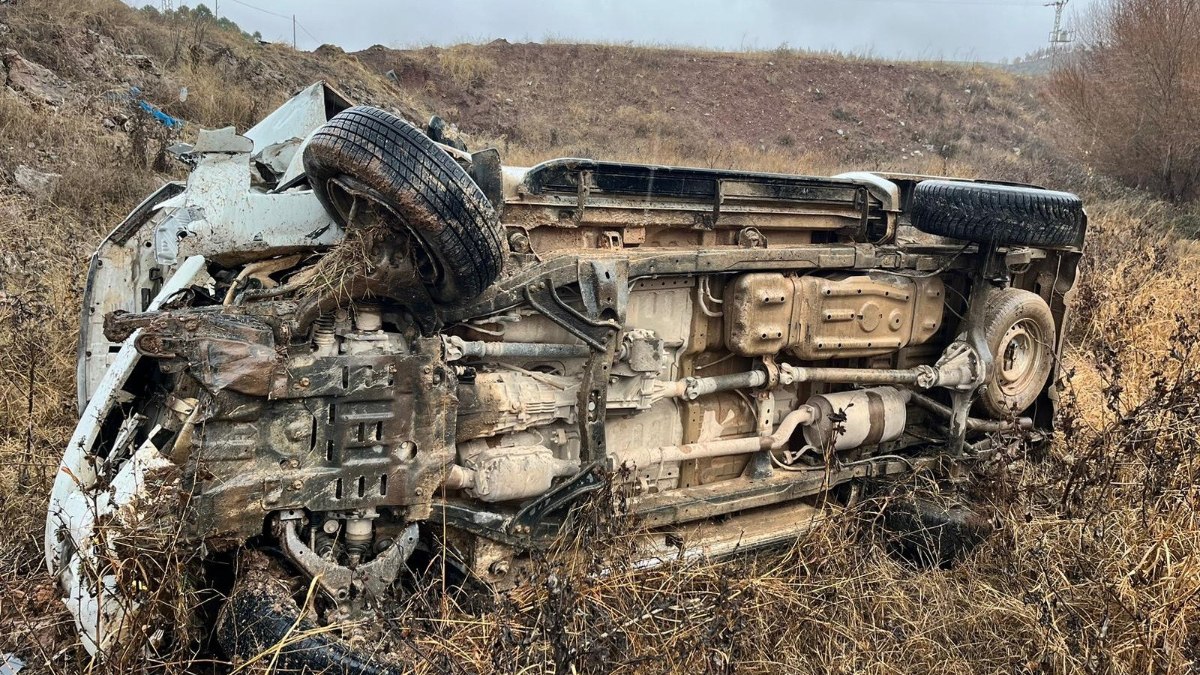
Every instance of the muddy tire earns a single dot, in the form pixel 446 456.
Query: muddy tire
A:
pixel 261 622
pixel 1020 333
pixel 368 154
pixel 997 214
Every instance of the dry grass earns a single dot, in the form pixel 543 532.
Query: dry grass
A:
pixel 1097 569
pixel 467 69
pixel 785 107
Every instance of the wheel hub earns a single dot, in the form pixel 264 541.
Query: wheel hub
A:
pixel 1020 356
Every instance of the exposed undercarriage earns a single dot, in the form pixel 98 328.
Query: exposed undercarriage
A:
pixel 729 350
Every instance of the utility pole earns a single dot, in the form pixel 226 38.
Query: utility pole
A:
pixel 293 31
pixel 1058 36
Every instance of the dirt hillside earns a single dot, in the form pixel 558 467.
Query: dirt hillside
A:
pixel 1097 566
pixel 661 105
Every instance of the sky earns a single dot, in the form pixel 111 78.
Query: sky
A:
pixel 954 30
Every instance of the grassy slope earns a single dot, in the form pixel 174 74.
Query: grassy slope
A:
pixel 1097 568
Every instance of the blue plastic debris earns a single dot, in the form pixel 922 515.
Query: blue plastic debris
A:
pixel 10 664
pixel 163 118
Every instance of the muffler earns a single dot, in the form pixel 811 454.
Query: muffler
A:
pixel 852 419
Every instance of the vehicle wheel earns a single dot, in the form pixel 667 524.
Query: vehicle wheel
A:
pixel 262 622
pixel 365 152
pixel 929 535
pixel 1019 331
pixel 997 214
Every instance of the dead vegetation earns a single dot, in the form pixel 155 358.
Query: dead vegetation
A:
pixel 1132 92
pixel 1097 567
pixel 665 105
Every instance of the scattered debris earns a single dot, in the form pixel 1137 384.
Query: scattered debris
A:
pixel 182 152
pixel 114 122
pixel 155 112
pixel 143 62
pixel 36 183
pixel 11 665
pixel 116 95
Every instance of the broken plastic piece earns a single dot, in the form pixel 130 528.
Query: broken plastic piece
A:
pixel 11 665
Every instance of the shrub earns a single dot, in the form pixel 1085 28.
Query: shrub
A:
pixel 1133 92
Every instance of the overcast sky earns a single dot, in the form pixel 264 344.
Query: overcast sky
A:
pixel 958 30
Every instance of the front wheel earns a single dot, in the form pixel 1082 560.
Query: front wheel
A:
pixel 262 623
pixel 365 154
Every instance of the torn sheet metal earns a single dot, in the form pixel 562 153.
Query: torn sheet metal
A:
pixel 78 501
pixel 221 217
pixel 295 119
pixel 218 211
pixel 280 137
pixel 10 664
pixel 122 275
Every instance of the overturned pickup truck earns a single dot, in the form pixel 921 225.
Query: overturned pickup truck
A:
pixel 347 344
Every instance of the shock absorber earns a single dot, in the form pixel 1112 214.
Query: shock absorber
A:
pixel 358 534
pixel 324 542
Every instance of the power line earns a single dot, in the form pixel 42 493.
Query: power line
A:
pixel 264 11
pixel 1058 36
pixel 314 37
pixel 291 18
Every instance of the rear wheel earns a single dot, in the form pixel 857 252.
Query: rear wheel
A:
pixel 1021 336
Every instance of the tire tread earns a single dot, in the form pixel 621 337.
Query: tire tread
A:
pixel 399 161
pixel 997 214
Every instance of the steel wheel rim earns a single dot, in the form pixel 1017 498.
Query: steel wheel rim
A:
pixel 1020 357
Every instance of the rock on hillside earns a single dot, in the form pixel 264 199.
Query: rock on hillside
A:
pixel 34 81
pixel 72 75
